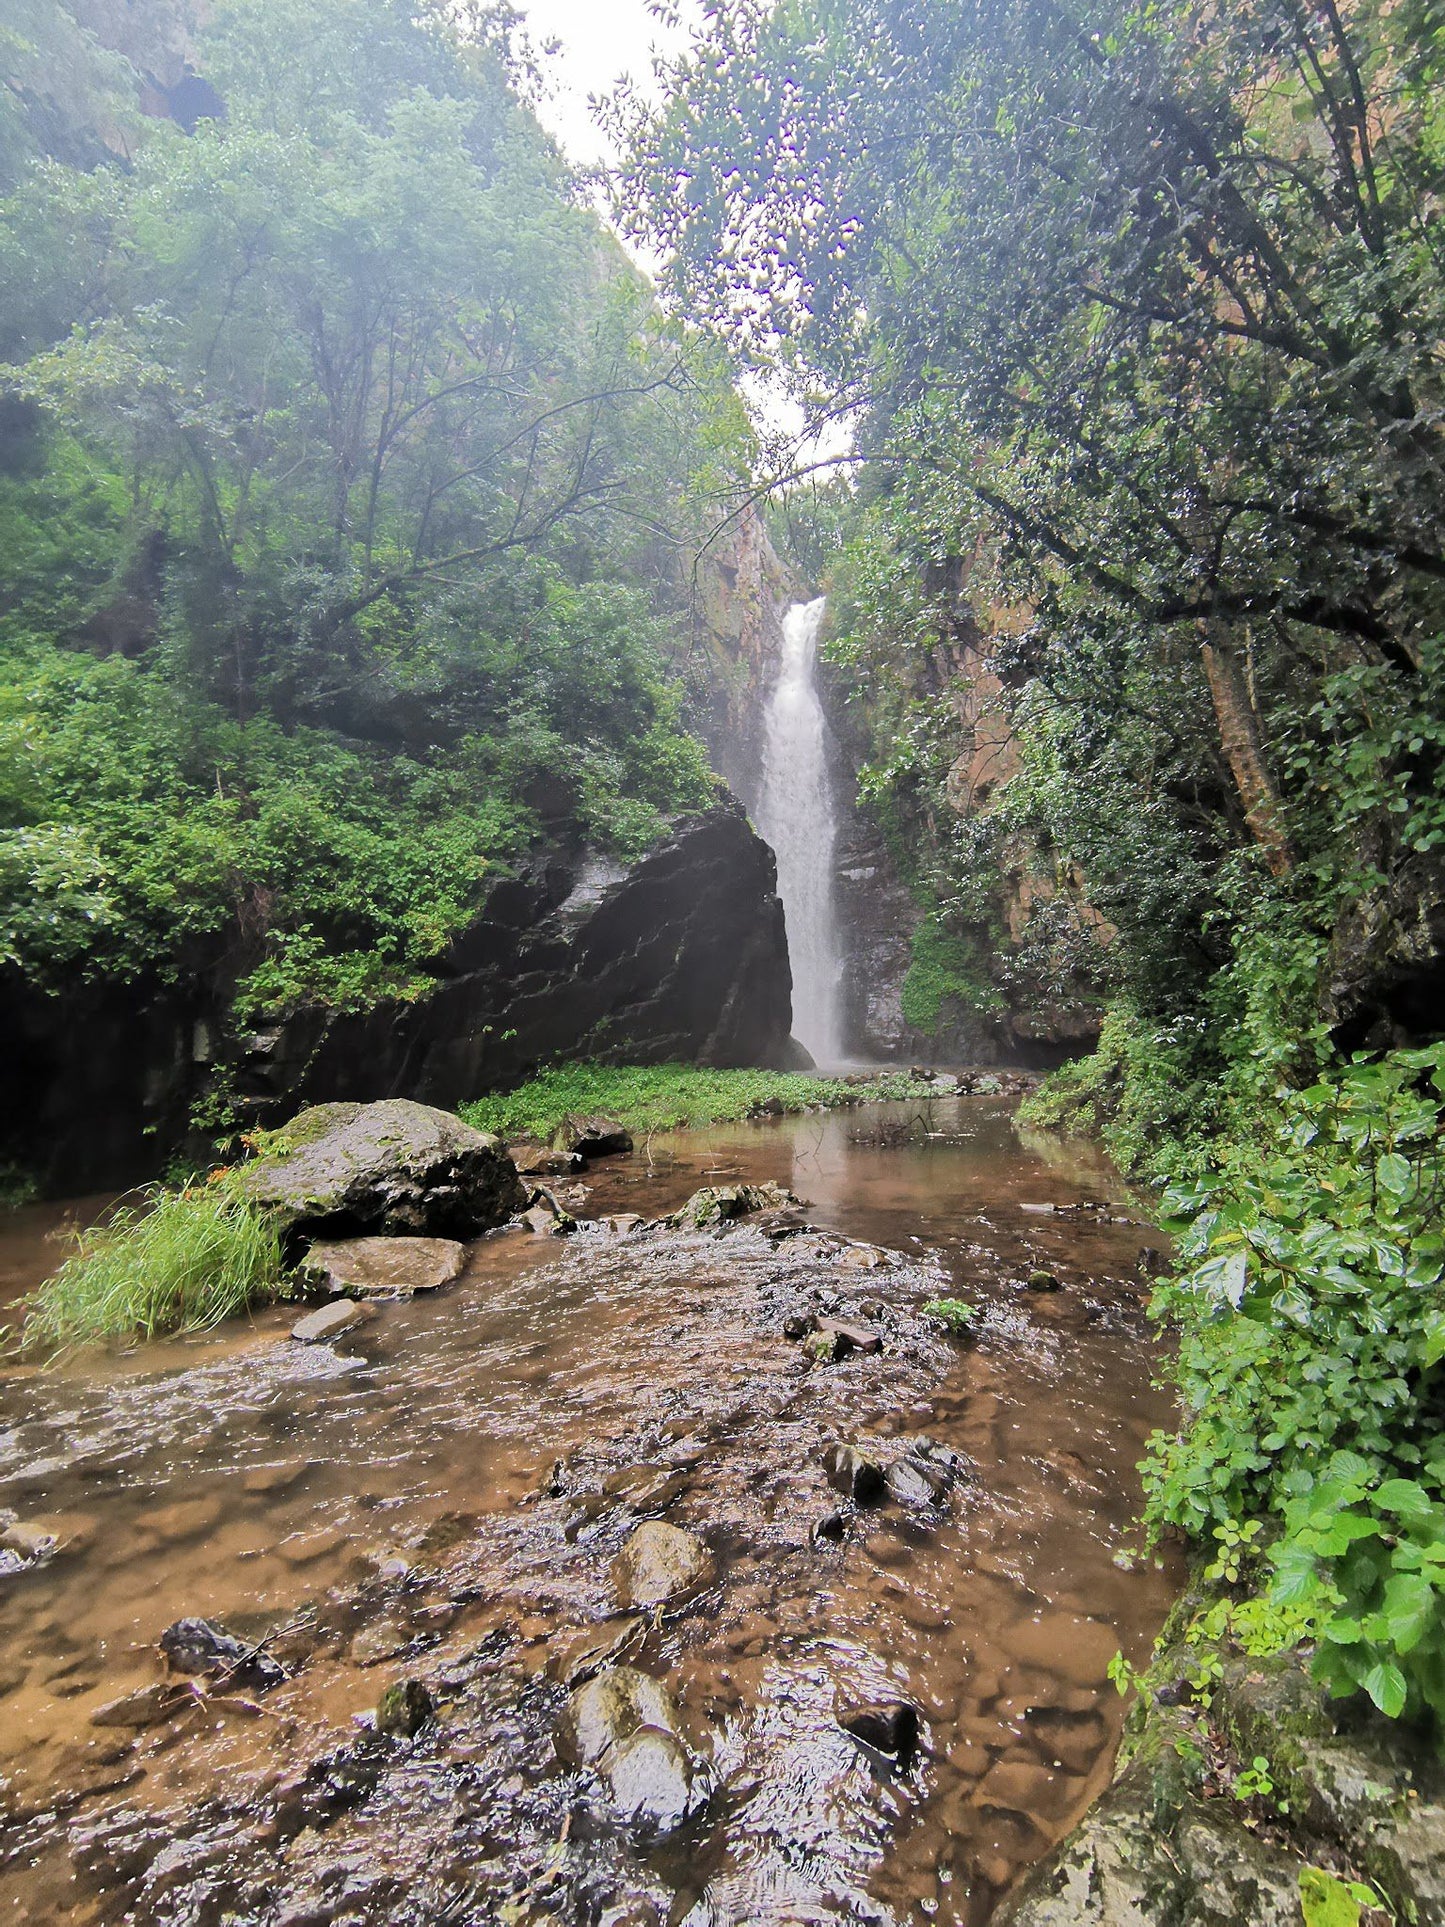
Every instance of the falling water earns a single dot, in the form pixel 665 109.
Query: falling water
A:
pixel 796 816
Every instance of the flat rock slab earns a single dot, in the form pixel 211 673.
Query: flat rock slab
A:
pixel 382 1267
pixel 395 1167
pixel 332 1321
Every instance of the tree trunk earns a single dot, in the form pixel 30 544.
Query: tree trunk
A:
pixel 1243 751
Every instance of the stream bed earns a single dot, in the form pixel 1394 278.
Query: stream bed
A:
pixel 440 1497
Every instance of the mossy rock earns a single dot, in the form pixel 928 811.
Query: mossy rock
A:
pixel 393 1167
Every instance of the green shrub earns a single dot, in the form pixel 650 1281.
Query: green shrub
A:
pixel 178 1261
pixel 1312 1329
pixel 953 1314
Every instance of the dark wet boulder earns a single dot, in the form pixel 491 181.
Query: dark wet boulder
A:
pixel 198 1648
pixel 591 1137
pixel 394 1167
pixel 890 1728
pixel 381 1267
pixel 856 1473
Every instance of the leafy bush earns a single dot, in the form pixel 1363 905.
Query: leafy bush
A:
pixel 663 1097
pixel 1312 1320
pixel 178 1261
pixel 944 974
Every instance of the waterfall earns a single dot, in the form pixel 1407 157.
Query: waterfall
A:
pixel 796 816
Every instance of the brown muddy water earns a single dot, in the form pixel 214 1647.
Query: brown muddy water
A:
pixel 395 1508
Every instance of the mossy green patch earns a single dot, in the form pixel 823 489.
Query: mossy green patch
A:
pixel 666 1097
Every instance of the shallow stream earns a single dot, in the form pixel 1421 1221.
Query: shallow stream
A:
pixel 441 1496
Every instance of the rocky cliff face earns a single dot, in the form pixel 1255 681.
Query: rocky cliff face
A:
pixel 682 955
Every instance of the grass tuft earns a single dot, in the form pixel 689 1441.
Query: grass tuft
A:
pixel 177 1261
pixel 666 1097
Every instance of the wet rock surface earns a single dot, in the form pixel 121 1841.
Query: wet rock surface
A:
pixel 451 1508
pixel 393 1167
pixel 382 1267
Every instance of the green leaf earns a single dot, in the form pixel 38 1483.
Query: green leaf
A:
pixel 1328 1901
pixel 1385 1684
pixel 1393 1174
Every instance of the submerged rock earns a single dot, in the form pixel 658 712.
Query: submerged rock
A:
pixel 32 1545
pixel 332 1321
pixel 197 1647
pixel 393 1167
pixel 382 1267
pixel 660 1563
pixel 891 1728
pixel 626 1725
pixel 146 1706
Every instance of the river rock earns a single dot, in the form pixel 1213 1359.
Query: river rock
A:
pixel 591 1137
pixel 394 1167
pixel 861 1258
pixel 626 1725
pixel 540 1161
pixel 404 1708
pixel 197 1647
pixel 848 1338
pixel 382 1267
pixel 660 1563
pixel 890 1728
pixel 319 1327
pixel 547 1221
pixel 655 1782
pixel 721 1203
pixel 1042 1281
pixel 856 1473
pixel 613 1705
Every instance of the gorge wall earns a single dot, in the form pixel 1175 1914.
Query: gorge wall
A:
pixel 1022 1013
pixel 680 955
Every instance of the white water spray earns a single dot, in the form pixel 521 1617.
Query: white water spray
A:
pixel 796 816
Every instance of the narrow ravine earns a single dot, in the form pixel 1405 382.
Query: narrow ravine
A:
pixel 443 1496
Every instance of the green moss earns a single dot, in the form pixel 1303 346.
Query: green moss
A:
pixel 944 976
pixel 664 1097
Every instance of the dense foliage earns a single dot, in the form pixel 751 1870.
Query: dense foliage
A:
pixel 345 468
pixel 1136 315
pixel 1312 1326
pixel 1138 586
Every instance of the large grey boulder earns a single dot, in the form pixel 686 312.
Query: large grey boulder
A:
pixel 394 1167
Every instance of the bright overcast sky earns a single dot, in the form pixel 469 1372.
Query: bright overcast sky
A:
pixel 599 41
